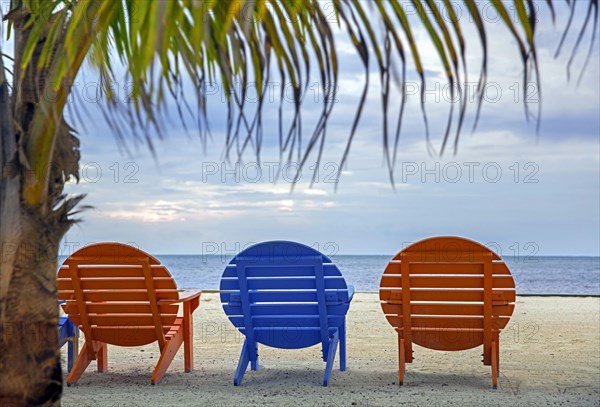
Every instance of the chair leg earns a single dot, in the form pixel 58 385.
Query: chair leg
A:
pixel 70 355
pixel 253 348
pixel 67 333
pixel 74 346
pixel 83 361
pixel 343 346
pixel 76 340
pixel 102 357
pixel 333 343
pixel 498 355
pixel 242 364
pixel 188 335
pixel 402 360
pixel 167 354
pixel 495 364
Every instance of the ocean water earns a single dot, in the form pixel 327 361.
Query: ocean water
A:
pixel 533 275
pixel 536 275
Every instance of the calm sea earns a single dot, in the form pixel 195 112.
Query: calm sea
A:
pixel 537 275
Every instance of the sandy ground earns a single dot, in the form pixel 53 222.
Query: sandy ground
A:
pixel 550 355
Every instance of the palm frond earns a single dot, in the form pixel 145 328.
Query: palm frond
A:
pixel 239 43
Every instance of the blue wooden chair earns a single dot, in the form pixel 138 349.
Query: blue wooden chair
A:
pixel 68 333
pixel 286 295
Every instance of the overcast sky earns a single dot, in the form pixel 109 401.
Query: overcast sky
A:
pixel 504 188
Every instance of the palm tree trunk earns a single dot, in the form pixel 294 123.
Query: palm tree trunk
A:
pixel 30 235
pixel 29 357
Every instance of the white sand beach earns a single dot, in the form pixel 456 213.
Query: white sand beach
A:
pixel 550 355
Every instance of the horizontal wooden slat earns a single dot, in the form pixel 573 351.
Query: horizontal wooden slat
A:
pixel 331 295
pixel 284 328
pixel 124 320
pixel 118 283
pixel 126 336
pixel 279 258
pixel 432 329
pixel 447 309
pixel 421 281
pixel 434 256
pixel 290 337
pixel 110 259
pixel 446 339
pixel 286 309
pixel 447 247
pixel 111 252
pixel 119 308
pixel 393 267
pixel 281 321
pixel 443 322
pixel 110 271
pixel 447 295
pixel 120 295
pixel 140 328
pixel 295 283
pixel 275 296
pixel 281 270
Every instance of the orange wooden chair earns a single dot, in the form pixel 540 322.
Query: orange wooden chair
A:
pixel 122 296
pixel 448 293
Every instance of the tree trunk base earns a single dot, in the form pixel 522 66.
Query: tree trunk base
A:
pixel 29 355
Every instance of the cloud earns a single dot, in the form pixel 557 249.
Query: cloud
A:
pixel 177 196
pixel 314 191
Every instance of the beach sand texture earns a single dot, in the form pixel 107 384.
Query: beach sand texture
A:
pixel 549 355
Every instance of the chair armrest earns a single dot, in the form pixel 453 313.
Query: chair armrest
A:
pixel 350 292
pixel 184 296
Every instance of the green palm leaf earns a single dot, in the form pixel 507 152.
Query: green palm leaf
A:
pixel 239 41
